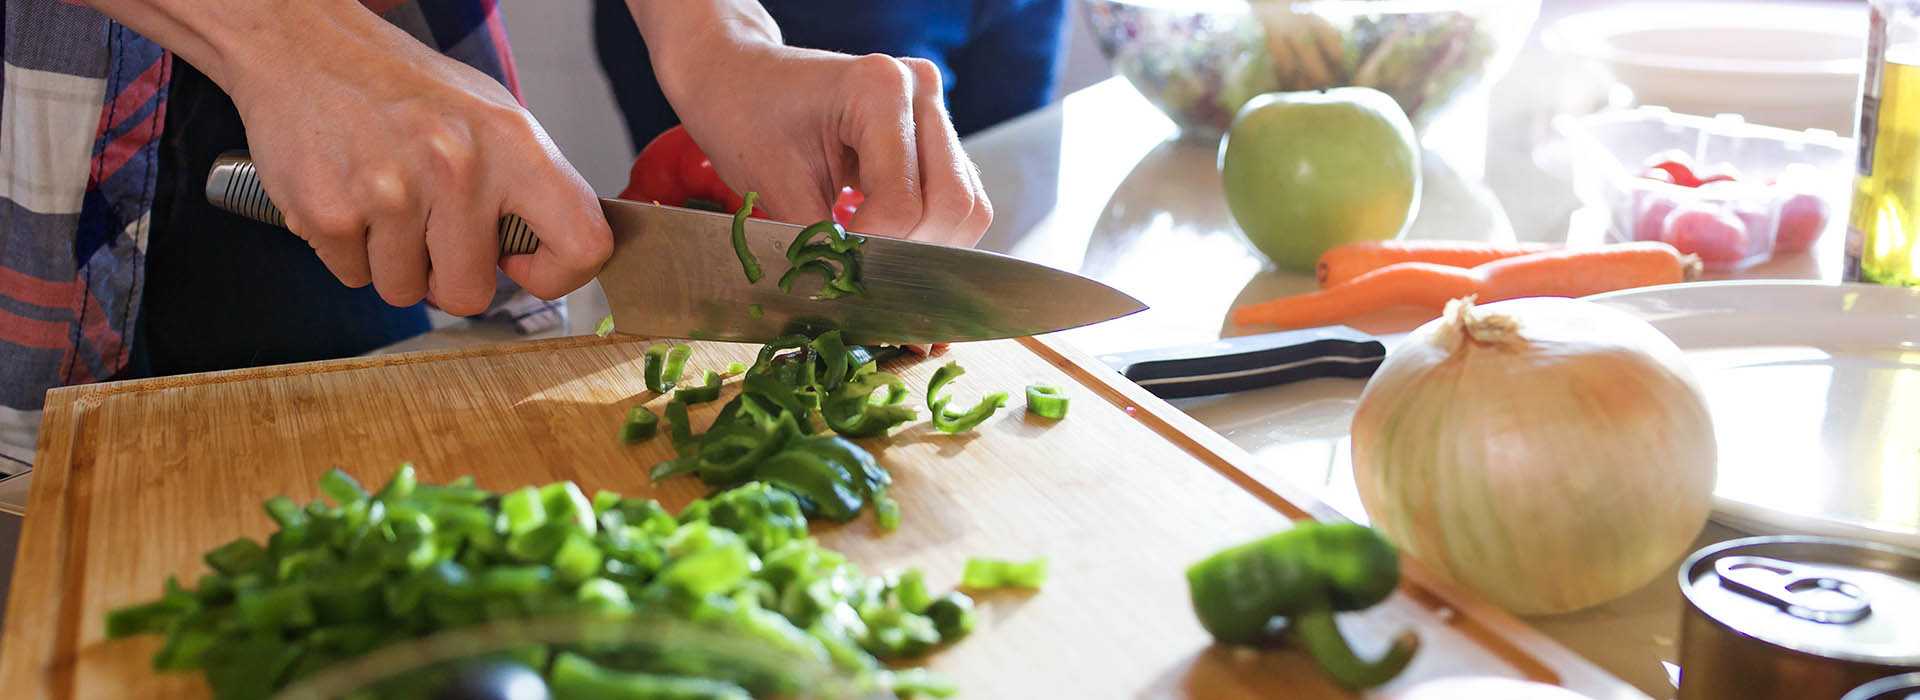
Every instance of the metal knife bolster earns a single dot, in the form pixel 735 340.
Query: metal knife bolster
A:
pixel 1251 362
pixel 234 185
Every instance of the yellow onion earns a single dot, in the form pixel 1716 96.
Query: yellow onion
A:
pixel 1550 454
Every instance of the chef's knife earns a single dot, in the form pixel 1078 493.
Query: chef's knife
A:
pixel 674 274
pixel 1251 362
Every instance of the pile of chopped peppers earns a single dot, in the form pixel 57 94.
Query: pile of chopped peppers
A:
pixel 1299 578
pixel 370 569
pixel 768 432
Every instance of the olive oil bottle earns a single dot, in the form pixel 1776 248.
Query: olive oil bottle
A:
pixel 1883 226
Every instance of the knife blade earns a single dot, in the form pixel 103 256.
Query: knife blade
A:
pixel 674 274
pixel 1251 362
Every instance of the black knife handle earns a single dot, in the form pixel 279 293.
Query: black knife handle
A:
pixel 233 185
pixel 1251 362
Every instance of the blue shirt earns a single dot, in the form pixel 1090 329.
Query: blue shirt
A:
pixel 998 58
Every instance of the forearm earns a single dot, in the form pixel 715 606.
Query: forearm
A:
pixel 230 40
pixel 687 38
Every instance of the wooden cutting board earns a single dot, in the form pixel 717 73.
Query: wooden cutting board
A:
pixel 136 480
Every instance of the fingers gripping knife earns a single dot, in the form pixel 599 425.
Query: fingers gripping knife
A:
pixel 234 185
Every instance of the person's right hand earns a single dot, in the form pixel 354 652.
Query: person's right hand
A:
pixel 395 163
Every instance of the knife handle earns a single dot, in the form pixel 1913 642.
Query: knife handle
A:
pixel 233 185
pixel 1251 362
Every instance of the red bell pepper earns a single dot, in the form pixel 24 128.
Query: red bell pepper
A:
pixel 673 170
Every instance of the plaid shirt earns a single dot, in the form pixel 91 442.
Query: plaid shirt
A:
pixel 83 100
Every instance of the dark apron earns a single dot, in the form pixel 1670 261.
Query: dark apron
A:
pixel 223 291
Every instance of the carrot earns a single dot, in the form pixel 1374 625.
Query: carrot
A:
pixel 1342 263
pixel 1560 273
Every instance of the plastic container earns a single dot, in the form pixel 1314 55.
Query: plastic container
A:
pixel 1787 187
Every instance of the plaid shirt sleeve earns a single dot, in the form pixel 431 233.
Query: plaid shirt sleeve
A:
pixel 83 100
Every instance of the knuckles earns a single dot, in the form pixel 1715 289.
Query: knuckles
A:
pixel 926 75
pixel 463 299
pixel 387 191
pixel 325 222
pixel 880 75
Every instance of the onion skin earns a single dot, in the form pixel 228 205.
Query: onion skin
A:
pixel 1549 465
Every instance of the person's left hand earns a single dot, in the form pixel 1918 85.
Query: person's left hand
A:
pixel 795 125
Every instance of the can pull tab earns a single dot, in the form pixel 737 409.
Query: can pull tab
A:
pixel 1806 592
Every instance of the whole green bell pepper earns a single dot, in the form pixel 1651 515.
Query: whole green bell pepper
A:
pixel 1300 577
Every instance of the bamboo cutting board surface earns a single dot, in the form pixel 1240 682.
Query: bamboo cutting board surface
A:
pixel 136 480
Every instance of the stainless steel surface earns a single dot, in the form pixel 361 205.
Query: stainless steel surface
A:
pixel 1769 617
pixel 674 273
pixel 234 185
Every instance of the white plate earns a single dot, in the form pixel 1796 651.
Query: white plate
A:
pixel 1787 64
pixel 1815 394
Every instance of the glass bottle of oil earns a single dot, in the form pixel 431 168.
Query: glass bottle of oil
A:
pixel 1883 227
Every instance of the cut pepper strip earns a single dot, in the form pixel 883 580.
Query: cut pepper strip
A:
pixel 948 421
pixel 1046 401
pixel 826 272
pixel 641 424
pixel 748 264
pixel 708 390
pixel 650 369
pixel 801 243
pixel 857 412
pixel 995 573
pixel 676 366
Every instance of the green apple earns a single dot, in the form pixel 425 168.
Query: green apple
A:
pixel 1306 171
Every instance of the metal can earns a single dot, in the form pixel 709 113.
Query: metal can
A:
pixel 1796 618
pixel 1905 686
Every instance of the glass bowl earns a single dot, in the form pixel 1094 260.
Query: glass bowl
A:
pixel 1198 61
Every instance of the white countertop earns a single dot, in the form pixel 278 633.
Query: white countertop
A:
pixel 1094 185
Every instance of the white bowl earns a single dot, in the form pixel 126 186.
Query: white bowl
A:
pixel 1793 65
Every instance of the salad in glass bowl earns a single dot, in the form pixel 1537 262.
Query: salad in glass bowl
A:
pixel 1199 61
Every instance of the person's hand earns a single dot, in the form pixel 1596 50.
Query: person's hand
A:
pixel 395 163
pixel 795 125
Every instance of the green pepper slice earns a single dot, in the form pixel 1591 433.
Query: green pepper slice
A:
pixel 948 421
pixel 826 272
pixel 641 424
pixel 984 573
pixel 708 390
pixel 653 367
pixel 856 411
pixel 1047 401
pixel 676 366
pixel 748 263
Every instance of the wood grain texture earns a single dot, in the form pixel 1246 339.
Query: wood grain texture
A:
pixel 136 480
